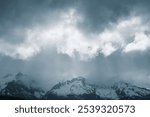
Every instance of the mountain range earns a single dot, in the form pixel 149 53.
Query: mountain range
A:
pixel 20 87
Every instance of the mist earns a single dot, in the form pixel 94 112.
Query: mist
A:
pixel 54 41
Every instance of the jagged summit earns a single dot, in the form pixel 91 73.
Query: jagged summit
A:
pixel 74 87
pixel 19 74
pixel 12 76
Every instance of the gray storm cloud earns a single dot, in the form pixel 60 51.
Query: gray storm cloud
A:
pixel 53 40
pixel 66 37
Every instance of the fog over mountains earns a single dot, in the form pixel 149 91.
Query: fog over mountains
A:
pixel 52 41
pixel 16 87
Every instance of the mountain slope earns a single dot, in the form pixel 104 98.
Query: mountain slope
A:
pixel 128 91
pixel 18 86
pixel 78 88
pixel 21 86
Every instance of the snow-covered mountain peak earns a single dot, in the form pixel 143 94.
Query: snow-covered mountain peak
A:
pixel 120 85
pixel 10 77
pixel 127 90
pixel 76 86
pixel 78 80
pixel 23 86
pixel 19 75
pixel 4 80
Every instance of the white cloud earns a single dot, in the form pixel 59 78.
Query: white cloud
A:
pixel 140 43
pixel 127 35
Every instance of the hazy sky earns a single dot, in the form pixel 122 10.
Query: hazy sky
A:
pixel 55 40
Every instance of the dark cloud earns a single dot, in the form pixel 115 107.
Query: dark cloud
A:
pixel 19 15
pixel 97 13
pixel 50 67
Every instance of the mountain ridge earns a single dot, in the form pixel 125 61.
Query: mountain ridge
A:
pixel 17 87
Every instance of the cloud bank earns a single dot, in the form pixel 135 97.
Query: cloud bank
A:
pixel 52 40
pixel 128 35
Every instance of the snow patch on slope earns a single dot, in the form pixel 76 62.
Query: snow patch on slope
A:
pixel 76 86
pixel 107 93
pixel 6 79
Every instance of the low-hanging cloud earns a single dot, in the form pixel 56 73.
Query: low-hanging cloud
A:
pixel 128 35
pixel 56 40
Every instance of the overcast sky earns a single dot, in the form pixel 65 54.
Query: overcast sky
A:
pixel 55 40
